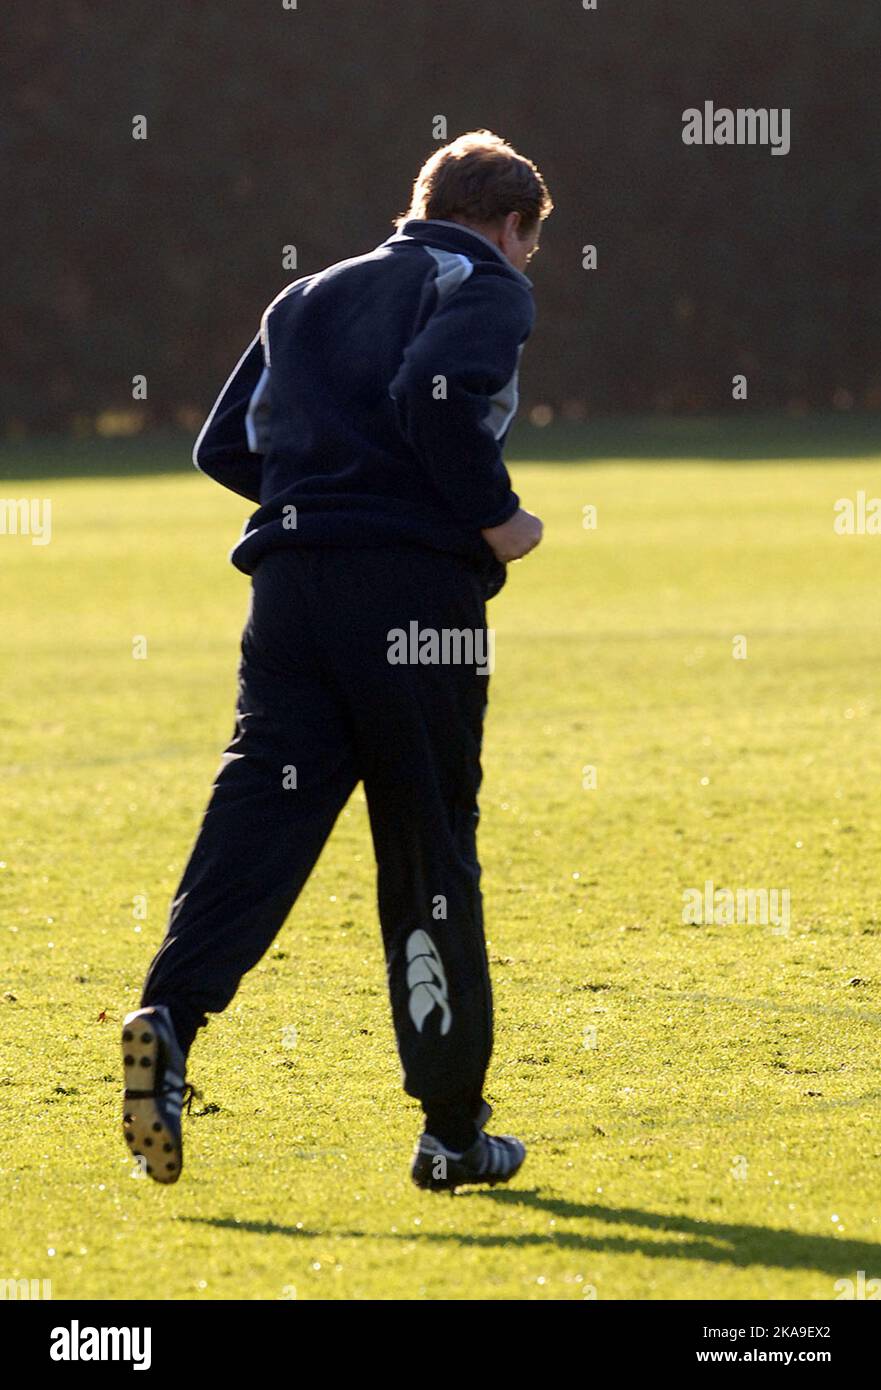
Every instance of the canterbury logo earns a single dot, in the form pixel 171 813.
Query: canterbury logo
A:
pixel 427 981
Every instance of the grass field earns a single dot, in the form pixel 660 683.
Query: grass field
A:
pixel 701 1102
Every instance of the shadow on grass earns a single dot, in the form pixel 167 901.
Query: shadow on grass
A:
pixel 254 1228
pixel 737 1245
pixel 729 438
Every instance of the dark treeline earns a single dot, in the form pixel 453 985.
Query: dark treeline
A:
pixel 269 127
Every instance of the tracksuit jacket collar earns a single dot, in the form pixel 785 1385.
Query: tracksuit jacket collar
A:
pixel 452 236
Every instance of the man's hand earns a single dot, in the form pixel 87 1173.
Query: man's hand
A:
pixel 515 537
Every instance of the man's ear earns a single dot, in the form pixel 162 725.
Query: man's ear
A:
pixel 512 224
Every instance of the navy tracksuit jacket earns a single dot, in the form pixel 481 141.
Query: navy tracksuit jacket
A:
pixel 366 419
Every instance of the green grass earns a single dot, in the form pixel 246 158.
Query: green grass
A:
pixel 720 1050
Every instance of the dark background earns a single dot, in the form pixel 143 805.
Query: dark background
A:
pixel 269 127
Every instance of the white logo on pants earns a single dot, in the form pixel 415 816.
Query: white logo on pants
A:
pixel 427 981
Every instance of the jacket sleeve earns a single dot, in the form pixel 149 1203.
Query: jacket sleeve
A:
pixel 230 446
pixel 455 394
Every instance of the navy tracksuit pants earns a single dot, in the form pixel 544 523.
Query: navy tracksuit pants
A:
pixel 320 707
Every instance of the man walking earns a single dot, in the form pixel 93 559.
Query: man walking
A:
pixel 366 420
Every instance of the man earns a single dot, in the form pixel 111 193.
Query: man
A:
pixel 367 420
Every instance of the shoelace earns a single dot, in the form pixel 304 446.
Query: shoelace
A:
pixel 189 1095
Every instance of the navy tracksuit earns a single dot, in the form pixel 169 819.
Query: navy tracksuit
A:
pixel 366 420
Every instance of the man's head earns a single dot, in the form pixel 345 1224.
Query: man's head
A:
pixel 483 183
